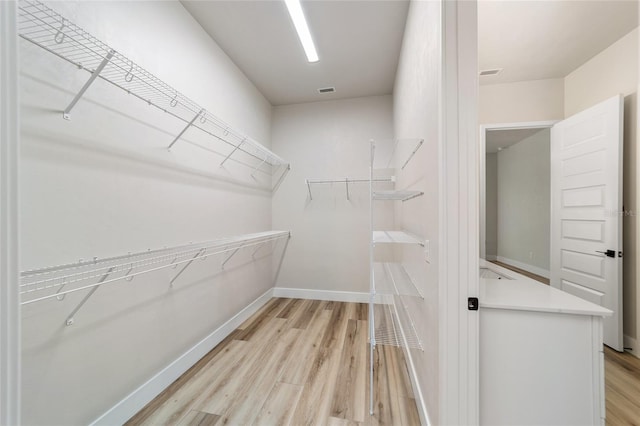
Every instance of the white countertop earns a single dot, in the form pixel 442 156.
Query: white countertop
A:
pixel 525 294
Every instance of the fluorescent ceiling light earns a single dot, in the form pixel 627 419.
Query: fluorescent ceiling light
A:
pixel 297 16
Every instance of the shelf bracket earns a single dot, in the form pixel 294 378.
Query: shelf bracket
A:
pixel 185 267
pixel 186 128
pixel 94 75
pixel 309 188
pixel 258 248
pixel 69 320
pixel 235 148
pixel 346 181
pixel 259 165
pixel 413 196
pixel 230 256
pixel 412 154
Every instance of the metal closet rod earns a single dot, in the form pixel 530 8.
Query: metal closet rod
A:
pixel 51 31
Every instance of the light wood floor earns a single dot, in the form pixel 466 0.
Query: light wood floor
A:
pixel 297 362
pixel 622 381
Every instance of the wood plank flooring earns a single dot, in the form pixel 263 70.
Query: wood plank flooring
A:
pixel 298 362
pixel 622 382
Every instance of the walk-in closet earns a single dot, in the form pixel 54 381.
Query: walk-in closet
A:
pixel 285 212
pixel 203 241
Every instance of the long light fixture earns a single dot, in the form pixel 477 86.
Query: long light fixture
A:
pixel 297 16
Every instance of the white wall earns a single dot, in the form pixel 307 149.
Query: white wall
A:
pixel 329 250
pixel 491 204
pixel 538 100
pixel 523 202
pixel 615 71
pixel 416 112
pixel 104 184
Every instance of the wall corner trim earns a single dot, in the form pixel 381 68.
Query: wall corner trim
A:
pixel 10 318
pixel 136 400
pixel 630 342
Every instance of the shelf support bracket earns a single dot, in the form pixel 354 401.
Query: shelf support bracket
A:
pixel 309 188
pixel 412 154
pixel 230 256
pixel 185 267
pixel 69 320
pixel 346 181
pixel 94 75
pixel 258 248
pixel 235 148
pixel 259 165
pixel 186 128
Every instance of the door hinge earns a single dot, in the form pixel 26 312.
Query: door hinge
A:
pixel 473 303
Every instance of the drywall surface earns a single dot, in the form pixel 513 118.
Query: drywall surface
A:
pixel 491 203
pixel 416 115
pixel 615 71
pixel 523 202
pixel 103 184
pixel 538 100
pixel 327 140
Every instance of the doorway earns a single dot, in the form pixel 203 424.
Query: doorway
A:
pixel 515 197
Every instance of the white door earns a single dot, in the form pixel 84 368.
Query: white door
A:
pixel 586 209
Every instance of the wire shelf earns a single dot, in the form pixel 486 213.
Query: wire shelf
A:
pixel 399 195
pixel 393 279
pixel 389 331
pixel 57 281
pixel 51 31
pixel 346 181
pixel 395 237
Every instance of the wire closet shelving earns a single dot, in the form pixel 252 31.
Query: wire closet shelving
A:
pixel 49 30
pixel 346 181
pixel 57 281
pixel 391 286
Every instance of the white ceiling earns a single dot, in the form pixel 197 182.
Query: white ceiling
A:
pixel 358 43
pixel 534 40
pixel 501 139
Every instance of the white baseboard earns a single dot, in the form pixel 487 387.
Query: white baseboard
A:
pixel 491 257
pixel 137 399
pixel 336 296
pixel 630 342
pixel 526 267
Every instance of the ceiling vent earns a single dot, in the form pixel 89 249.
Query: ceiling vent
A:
pixel 491 72
pixel 327 90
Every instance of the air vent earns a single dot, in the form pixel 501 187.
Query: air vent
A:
pixel 491 72
pixel 327 90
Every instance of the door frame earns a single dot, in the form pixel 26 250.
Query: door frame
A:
pixel 9 264
pixel 483 167
pixel 458 215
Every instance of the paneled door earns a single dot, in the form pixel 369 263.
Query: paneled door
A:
pixel 586 210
